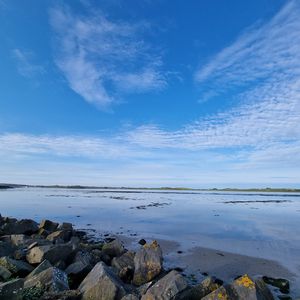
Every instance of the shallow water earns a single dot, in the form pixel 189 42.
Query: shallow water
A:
pixel 265 225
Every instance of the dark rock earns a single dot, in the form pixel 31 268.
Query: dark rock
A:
pixel 142 242
pixel 126 274
pixel 25 226
pixel 64 235
pixel 20 254
pixel 114 248
pixel 53 253
pixel 125 260
pixel 147 263
pixel 65 295
pixel 66 226
pixel 102 283
pixel 51 279
pixel 44 265
pixel 167 287
pixel 6 248
pixel 220 294
pixel 282 284
pixel 11 290
pixel 60 265
pixel 16 267
pixel 130 297
pixel 207 286
pixel 4 273
pixel 48 225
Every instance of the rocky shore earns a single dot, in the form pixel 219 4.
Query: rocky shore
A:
pixel 55 261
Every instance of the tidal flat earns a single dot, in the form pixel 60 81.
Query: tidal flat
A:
pixel 202 232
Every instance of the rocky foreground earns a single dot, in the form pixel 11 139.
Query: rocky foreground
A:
pixel 54 261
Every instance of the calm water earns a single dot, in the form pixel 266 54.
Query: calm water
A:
pixel 257 224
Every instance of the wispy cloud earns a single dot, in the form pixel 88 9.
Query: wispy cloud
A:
pixel 102 59
pixel 26 64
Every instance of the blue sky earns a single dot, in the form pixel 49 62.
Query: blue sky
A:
pixel 150 93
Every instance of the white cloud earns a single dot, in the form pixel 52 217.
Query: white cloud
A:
pixel 25 63
pixel 102 59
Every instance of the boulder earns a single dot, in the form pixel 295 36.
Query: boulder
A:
pixel 246 288
pixel 123 261
pixel 102 283
pixel 18 239
pixel 6 248
pixel 48 225
pixel 130 297
pixel 51 279
pixel 200 290
pixel 53 253
pixel 44 265
pixel 114 248
pixel 65 295
pixel 282 284
pixel 16 267
pixel 11 290
pixel 220 294
pixel 64 235
pixel 4 274
pixel 66 226
pixel 167 287
pixel 147 263
pixel 24 226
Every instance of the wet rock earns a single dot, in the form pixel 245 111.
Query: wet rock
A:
pixel 130 297
pixel 65 295
pixel 114 248
pixel 44 265
pixel 53 253
pixel 16 267
pixel 207 286
pixel 51 279
pixel 166 288
pixel 102 283
pixel 66 226
pixel 48 225
pixel 25 226
pixel 64 235
pixel 142 242
pixel 220 294
pixel 245 288
pixel 11 290
pixel 4 274
pixel 147 263
pixel 123 261
pixel 282 284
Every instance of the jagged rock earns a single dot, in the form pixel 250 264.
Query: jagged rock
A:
pixel 66 226
pixel 123 261
pixel 65 295
pixel 24 226
pixel 53 253
pixel 114 248
pixel 102 283
pixel 4 273
pixel 219 294
pixel 166 288
pixel 44 265
pixel 17 239
pixel 130 297
pixel 48 225
pixel 142 289
pixel 11 290
pixel 246 288
pixel 126 274
pixel 282 284
pixel 20 254
pixel 199 291
pixel 51 279
pixel 43 232
pixel 6 248
pixel 16 267
pixel 147 263
pixel 81 264
pixel 64 235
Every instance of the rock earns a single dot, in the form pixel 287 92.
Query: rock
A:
pixel 64 235
pixel 125 260
pixel 166 288
pixel 245 288
pixel 60 265
pixel 126 274
pixel 16 267
pixel 51 279
pixel 44 265
pixel 25 226
pixel 11 290
pixel 130 297
pixel 6 248
pixel 66 226
pixel 65 295
pixel 282 284
pixel 43 232
pixel 142 242
pixel 18 239
pixel 20 254
pixel 101 283
pixel 147 263
pixel 53 253
pixel 220 294
pixel 199 291
pixel 4 274
pixel 114 248
pixel 48 225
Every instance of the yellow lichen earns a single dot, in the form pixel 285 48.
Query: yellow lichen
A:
pixel 245 281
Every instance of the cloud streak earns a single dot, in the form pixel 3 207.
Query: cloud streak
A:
pixel 103 59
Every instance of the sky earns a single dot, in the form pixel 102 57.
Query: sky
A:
pixel 150 93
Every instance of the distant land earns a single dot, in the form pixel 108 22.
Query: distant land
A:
pixel 267 189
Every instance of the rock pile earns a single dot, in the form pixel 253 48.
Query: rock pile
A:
pixel 51 261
